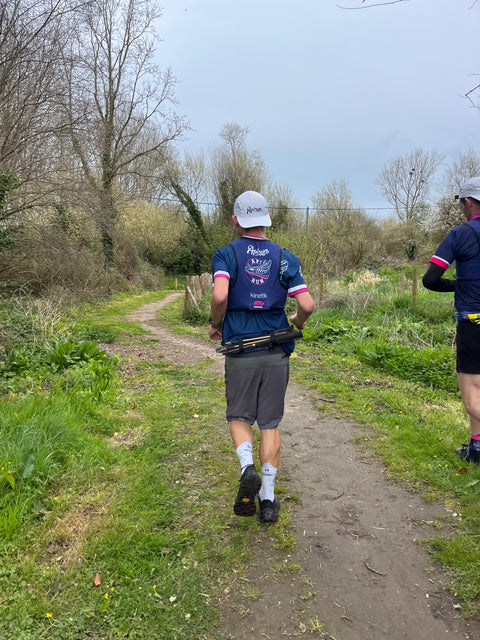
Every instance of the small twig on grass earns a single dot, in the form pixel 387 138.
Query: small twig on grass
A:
pixel 417 337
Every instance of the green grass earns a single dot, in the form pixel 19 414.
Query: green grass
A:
pixel 129 488
pixel 129 484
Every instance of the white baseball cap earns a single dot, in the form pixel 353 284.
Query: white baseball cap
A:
pixel 471 189
pixel 251 210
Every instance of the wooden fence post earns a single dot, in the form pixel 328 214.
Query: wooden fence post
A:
pixel 414 287
pixel 195 289
pixel 186 305
pixel 205 279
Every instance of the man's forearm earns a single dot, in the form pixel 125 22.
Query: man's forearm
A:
pixel 218 311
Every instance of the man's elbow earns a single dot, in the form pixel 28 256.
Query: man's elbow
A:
pixel 306 304
pixel 219 298
pixel 431 279
pixel 308 308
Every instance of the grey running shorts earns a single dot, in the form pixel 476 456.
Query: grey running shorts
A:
pixel 255 387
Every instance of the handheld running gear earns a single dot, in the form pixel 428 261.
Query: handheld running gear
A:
pixel 243 345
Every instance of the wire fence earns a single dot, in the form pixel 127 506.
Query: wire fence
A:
pixel 210 208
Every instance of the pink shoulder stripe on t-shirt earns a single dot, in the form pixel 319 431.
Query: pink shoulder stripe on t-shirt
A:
pixel 221 274
pixel 440 261
pixel 301 288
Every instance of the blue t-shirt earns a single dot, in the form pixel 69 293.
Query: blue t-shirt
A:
pixel 258 270
pixel 462 246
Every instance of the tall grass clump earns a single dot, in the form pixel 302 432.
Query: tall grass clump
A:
pixel 431 367
pixel 53 385
pixel 44 444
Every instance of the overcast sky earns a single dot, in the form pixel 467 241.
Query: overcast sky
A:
pixel 326 93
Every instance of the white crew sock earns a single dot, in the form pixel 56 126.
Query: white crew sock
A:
pixel 267 490
pixel 244 453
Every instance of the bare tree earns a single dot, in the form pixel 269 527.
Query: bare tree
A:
pixel 405 181
pixel 235 169
pixel 447 213
pixel 444 216
pixel 121 106
pixel 339 234
pixel 333 200
pixel 194 177
pixel 282 205
pixel 466 166
pixel 147 176
pixel 30 41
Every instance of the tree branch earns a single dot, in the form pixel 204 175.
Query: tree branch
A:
pixel 467 95
pixel 367 6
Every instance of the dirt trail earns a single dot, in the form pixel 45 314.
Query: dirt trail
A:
pixel 362 573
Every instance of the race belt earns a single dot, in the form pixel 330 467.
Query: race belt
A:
pixel 467 315
pixel 269 340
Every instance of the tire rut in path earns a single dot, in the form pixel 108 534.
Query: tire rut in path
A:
pixel 358 567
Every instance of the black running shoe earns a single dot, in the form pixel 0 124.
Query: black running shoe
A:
pixel 250 484
pixel 269 510
pixel 468 453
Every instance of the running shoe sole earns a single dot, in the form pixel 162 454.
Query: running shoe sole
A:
pixel 250 484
